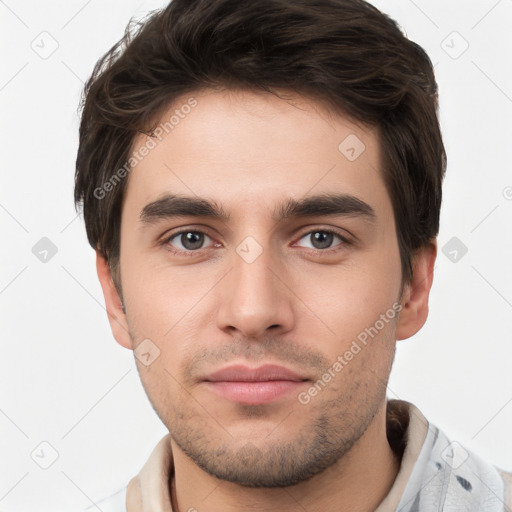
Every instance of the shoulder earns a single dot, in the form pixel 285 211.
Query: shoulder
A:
pixel 507 482
pixel 442 474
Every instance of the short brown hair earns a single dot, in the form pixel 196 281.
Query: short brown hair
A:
pixel 343 53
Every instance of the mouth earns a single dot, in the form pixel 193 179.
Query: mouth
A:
pixel 254 386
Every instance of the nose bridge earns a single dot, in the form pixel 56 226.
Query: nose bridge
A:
pixel 253 278
pixel 254 299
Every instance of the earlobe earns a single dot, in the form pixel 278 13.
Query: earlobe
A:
pixel 416 293
pixel 113 303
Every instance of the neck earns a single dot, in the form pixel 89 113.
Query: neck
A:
pixel 359 482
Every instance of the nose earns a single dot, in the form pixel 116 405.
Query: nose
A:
pixel 255 297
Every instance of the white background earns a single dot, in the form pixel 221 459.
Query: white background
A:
pixel 64 379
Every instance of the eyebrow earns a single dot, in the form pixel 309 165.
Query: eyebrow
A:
pixel 170 206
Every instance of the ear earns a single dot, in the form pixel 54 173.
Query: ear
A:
pixel 113 303
pixel 416 293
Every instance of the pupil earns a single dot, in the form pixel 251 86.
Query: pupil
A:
pixel 322 240
pixel 192 240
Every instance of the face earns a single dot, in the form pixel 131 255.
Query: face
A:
pixel 260 272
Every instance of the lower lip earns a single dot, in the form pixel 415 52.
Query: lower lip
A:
pixel 254 393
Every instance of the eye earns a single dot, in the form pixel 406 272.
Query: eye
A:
pixel 190 241
pixel 187 241
pixel 322 239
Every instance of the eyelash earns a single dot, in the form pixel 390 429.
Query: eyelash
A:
pixel 344 242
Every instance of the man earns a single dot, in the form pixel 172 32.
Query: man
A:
pixel 262 184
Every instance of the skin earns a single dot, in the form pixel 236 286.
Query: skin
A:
pixel 296 305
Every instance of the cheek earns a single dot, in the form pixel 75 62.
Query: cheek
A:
pixel 348 299
pixel 172 308
pixel 159 296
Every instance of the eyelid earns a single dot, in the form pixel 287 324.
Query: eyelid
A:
pixel 342 233
pixel 185 229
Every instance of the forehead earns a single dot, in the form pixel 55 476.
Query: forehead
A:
pixel 250 149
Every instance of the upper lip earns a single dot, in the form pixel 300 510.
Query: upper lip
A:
pixel 241 373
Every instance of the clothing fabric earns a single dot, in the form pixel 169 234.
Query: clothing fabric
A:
pixel 436 474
